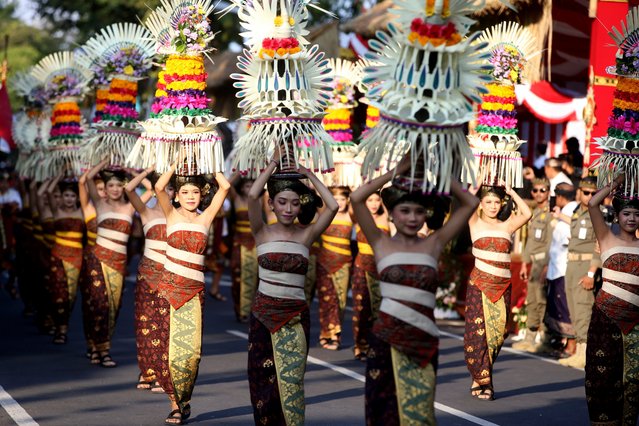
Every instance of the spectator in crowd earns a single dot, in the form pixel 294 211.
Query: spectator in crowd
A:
pixel 552 170
pixel 572 145
pixel 569 169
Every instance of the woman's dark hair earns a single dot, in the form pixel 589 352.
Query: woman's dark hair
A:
pixel 68 186
pixel 106 175
pixel 240 183
pixel 394 195
pixel 344 191
pixel 207 187
pixel 620 203
pixel 309 200
pixel 153 178
pixel 440 207
pixel 499 192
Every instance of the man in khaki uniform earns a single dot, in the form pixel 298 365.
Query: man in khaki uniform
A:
pixel 535 259
pixel 583 262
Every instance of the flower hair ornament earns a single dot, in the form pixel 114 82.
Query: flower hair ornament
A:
pixel 423 78
pixel 283 88
pixel 64 82
pixel 621 144
pixel 495 142
pixel 120 55
pixel 181 121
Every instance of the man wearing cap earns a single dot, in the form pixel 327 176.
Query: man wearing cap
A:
pixel 535 260
pixel 583 262
pixel 552 169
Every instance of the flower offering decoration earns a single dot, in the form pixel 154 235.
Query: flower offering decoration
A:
pixel 423 79
pixel 65 82
pixel 181 120
pixel 621 144
pixel 283 88
pixel 120 55
pixel 495 142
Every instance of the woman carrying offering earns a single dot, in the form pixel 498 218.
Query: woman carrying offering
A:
pixel 365 280
pixel 150 271
pixel 181 287
pixel 108 266
pixel 402 358
pixel 612 354
pixel 279 323
pixel 489 286
pixel 66 255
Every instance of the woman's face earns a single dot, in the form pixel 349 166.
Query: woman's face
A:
pixel 628 219
pixel 189 197
pixel 490 205
pixel 342 203
pixel 409 218
pixel 57 197
pixel 373 203
pixel 69 199
pixel 101 189
pixel 286 206
pixel 170 190
pixel 246 187
pixel 114 189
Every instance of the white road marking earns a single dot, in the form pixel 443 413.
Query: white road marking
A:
pixel 15 410
pixel 353 375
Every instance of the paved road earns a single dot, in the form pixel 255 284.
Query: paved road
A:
pixel 55 385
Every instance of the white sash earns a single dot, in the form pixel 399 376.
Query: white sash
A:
pixel 492 270
pixel 283 247
pixel 151 224
pixel 408 294
pixel 113 235
pixel 187 226
pixel 110 245
pixel 409 315
pixel 155 245
pixel 491 255
pixel 618 249
pixel 620 293
pixel 114 215
pixel 154 255
pixel 621 277
pixel 183 271
pixel 407 258
pixel 184 256
pixel 490 233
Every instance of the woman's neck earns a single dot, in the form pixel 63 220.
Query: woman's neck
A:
pixel 187 213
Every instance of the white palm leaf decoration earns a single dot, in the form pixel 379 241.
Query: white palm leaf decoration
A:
pixel 24 84
pixel 628 38
pixel 309 75
pixel 342 69
pixel 61 64
pixel 115 38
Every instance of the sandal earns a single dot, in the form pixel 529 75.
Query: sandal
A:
pixel 186 412
pixel 143 384
pixel 218 296
pixel 483 392
pixel 94 358
pixel 156 388
pixel 60 339
pixel 329 344
pixel 174 417
pixel 107 362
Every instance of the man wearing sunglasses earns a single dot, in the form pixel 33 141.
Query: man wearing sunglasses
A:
pixel 533 268
pixel 583 262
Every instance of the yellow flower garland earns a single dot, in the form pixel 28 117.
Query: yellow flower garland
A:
pixel 185 65
pixel 494 106
pixel 500 90
pixel 186 85
pixel 630 85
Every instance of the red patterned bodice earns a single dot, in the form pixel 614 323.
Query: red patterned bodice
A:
pixel 336 246
pixel 408 282
pixel 491 273
pixel 92 230
pixel 113 235
pixel 282 272
pixel 365 258
pixel 152 263
pixel 619 294
pixel 243 235
pixel 183 276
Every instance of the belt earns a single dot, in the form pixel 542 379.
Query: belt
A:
pixel 538 256
pixel 576 257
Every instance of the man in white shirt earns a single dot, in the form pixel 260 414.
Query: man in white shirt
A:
pixel 554 173
pixel 557 315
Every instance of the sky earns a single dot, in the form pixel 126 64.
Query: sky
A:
pixel 26 11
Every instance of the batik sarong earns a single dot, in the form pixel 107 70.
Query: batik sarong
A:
pixel 278 335
pixel 404 343
pixel 333 277
pixel 66 264
pixel 243 266
pixel 612 353
pixel 146 307
pixel 487 304
pixel 107 268
pixel 182 286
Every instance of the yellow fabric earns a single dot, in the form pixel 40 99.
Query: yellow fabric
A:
pixel 69 234
pixel 248 279
pixel 365 248
pixel 336 249
pixel 63 242
pixel 73 276
pixel 415 390
pixel 243 229
pixel 495 320
pixel 336 240
pixel 114 282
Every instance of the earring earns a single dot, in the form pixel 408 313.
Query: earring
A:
pixel 390 218
pixel 615 220
pixel 176 199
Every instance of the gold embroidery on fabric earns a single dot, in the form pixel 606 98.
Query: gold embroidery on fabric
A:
pixel 495 316
pixel 73 276
pixel 248 279
pixel 631 376
pixel 113 281
pixel 289 354
pixel 415 389
pixel 185 348
pixel 340 280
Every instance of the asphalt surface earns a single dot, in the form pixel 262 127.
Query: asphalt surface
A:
pixel 46 384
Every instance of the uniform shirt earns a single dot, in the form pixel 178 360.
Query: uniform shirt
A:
pixel 560 178
pixel 558 253
pixel 582 236
pixel 539 234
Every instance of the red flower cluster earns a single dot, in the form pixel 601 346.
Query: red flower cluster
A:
pixel 432 30
pixel 280 43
